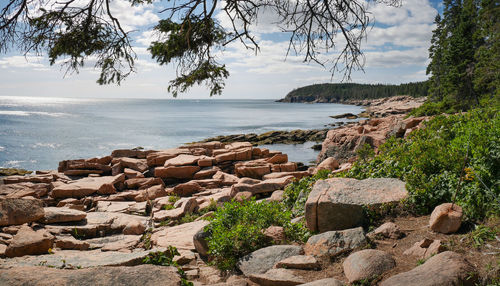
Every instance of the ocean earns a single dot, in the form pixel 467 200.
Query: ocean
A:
pixel 38 132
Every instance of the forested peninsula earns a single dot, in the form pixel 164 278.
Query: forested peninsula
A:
pixel 352 92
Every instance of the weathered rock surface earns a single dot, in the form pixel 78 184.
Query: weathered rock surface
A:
pixel 130 276
pixel 277 277
pixel 15 211
pixel 333 243
pixel 29 242
pixel 325 282
pixel 445 269
pixel 180 236
pixel 425 248
pixel 367 264
pixel 86 186
pixel 260 261
pixel 337 203
pixel 446 218
pixel 388 230
pixel 305 262
pixel 20 190
pixel 328 164
pixel 257 187
pixel 56 215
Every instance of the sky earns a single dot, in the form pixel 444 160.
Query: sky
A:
pixel 396 51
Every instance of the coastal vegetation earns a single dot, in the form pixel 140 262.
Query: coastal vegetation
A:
pixel 348 92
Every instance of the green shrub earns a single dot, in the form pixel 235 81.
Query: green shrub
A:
pixel 163 258
pixel 237 229
pixel 296 193
pixel 431 162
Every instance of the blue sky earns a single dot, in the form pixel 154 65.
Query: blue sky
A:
pixel 395 50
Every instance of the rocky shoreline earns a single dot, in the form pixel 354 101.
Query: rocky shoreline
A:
pixel 95 221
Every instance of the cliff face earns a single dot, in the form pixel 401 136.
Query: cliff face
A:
pixel 352 92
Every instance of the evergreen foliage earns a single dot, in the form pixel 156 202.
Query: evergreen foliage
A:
pixel 465 58
pixel 343 92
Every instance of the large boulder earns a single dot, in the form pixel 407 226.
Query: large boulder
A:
pixel 176 172
pixel 252 169
pixel 261 260
pixel 29 242
pixel 86 186
pixel 367 264
pixel 445 269
pixel 18 211
pixel 446 218
pixel 20 190
pixel 338 203
pixel 127 276
pixel 333 243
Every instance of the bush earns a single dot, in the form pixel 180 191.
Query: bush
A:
pixel 296 193
pixel 237 229
pixel 431 162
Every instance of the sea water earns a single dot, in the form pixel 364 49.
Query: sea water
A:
pixel 38 132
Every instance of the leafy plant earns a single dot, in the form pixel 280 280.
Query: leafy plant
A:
pixel 481 235
pixel 296 193
pixel 163 258
pixel 431 162
pixel 237 229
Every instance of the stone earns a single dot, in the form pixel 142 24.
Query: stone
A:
pixel 137 208
pixel 226 156
pixel 160 157
pixel 200 242
pixel 184 257
pixel 277 277
pixel 325 282
pixel 181 172
pixel 29 242
pixel 57 215
pixel 206 161
pixel 187 189
pixel 337 203
pixel 305 262
pixel 127 276
pixel 182 160
pixel 367 264
pixel 69 242
pixel 47 179
pixel 275 233
pixel 425 248
pixel 261 260
pixel 125 244
pixel 329 164
pixel 206 173
pixel 446 218
pixel 278 159
pixel 225 178
pixel 297 174
pixel 267 186
pixel 84 259
pixel 150 193
pixel 129 224
pixel 139 165
pixel 187 206
pixel 143 183
pixel 15 211
pixel 180 236
pixel 333 243
pixel 445 269
pixel 85 187
pixel 277 196
pixel 252 169
pixel 131 174
pixel 20 190
pixel 388 230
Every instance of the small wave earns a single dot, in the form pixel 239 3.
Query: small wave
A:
pixel 12 164
pixel 2 148
pixel 46 145
pixel 28 113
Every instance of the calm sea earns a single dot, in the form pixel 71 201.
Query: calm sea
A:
pixel 36 133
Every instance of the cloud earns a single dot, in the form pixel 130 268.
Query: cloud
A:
pixel 34 62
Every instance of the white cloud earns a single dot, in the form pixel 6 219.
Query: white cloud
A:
pixel 34 62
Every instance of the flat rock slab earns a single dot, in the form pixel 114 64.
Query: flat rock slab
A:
pixel 445 269
pixel 86 186
pixel 130 276
pixel 55 215
pixel 84 259
pixel 336 204
pixel 14 211
pixel 305 262
pixel 260 261
pixel 180 236
pixel 333 243
pixel 325 282
pixel 277 277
